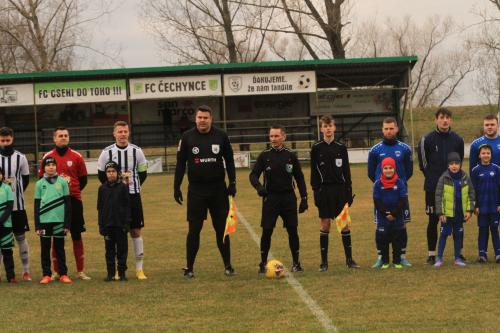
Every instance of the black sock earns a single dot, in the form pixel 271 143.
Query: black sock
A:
pixel 432 232
pixel 323 243
pixel 293 242
pixel 346 241
pixel 193 243
pixel 265 244
pixel 224 247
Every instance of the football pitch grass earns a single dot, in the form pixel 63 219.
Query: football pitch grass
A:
pixel 416 299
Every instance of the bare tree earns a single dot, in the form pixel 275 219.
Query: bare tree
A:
pixel 44 35
pixel 209 31
pixel 486 39
pixel 439 70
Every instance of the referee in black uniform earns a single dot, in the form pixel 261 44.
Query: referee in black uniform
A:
pixel 205 149
pixel 331 183
pixel 279 166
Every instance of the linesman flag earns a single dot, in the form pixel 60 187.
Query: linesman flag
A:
pixel 231 219
pixel 343 219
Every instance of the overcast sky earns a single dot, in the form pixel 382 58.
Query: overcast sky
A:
pixel 123 27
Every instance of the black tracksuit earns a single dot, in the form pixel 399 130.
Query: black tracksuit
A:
pixel 113 206
pixel 205 155
pixel 280 167
pixel 433 150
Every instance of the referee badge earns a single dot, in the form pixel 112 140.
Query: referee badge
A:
pixel 289 168
pixel 338 162
pixel 215 149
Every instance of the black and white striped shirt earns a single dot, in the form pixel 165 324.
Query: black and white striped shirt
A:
pixel 15 166
pixel 130 159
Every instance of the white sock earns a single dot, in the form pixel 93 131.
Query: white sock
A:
pixel 138 245
pixel 379 257
pixel 432 253
pixel 24 252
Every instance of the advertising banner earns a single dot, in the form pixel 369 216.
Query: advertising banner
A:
pixel 351 102
pixel 80 92
pixel 16 95
pixel 270 83
pixel 174 87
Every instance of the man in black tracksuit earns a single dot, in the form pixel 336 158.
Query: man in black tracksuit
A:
pixel 114 218
pixel 332 186
pixel 279 166
pixel 433 150
pixel 205 149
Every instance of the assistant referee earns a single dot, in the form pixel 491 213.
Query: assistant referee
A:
pixel 205 148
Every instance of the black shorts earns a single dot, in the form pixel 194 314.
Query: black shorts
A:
pixel 330 200
pixel 52 230
pixel 19 222
pixel 279 204
pixel 6 238
pixel 77 220
pixel 430 203
pixel 136 212
pixel 217 202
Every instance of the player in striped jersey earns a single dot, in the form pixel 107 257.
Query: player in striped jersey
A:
pixel 70 166
pixel 16 169
pixel 134 168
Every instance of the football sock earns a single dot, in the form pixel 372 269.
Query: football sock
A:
pixel 432 232
pixel 441 246
pixel 495 239
pixel 458 240
pixel 224 246
pixel 54 261
pixel 404 242
pixel 323 244
pixel 293 242
pixel 346 241
pixel 8 261
pixel 481 241
pixel 138 245
pixel 377 244
pixel 79 254
pixel 193 243
pixel 265 244
pixel 24 251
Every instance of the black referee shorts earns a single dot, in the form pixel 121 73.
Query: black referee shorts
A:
pixel 215 201
pixel 279 204
pixel 19 222
pixel 330 200
pixel 136 212
pixel 77 220
pixel 430 203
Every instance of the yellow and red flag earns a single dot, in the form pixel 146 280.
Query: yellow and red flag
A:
pixel 231 219
pixel 343 219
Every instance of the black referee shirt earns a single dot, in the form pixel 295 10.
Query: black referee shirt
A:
pixel 205 154
pixel 329 164
pixel 280 167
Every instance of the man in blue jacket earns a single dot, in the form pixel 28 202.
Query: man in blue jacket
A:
pixel 490 137
pixel 433 150
pixel 390 146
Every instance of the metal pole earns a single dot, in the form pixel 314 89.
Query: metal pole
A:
pixel 318 127
pixel 408 91
pixel 36 136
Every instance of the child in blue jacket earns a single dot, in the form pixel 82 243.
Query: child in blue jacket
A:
pixel 486 180
pixel 389 197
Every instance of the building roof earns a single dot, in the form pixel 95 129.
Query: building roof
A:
pixel 331 73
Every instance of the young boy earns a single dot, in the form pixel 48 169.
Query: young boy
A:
pixel 52 218
pixel 455 199
pixel 486 180
pixel 6 233
pixel 113 206
pixel 389 197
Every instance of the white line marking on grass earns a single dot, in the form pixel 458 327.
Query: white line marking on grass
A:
pixel 292 281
